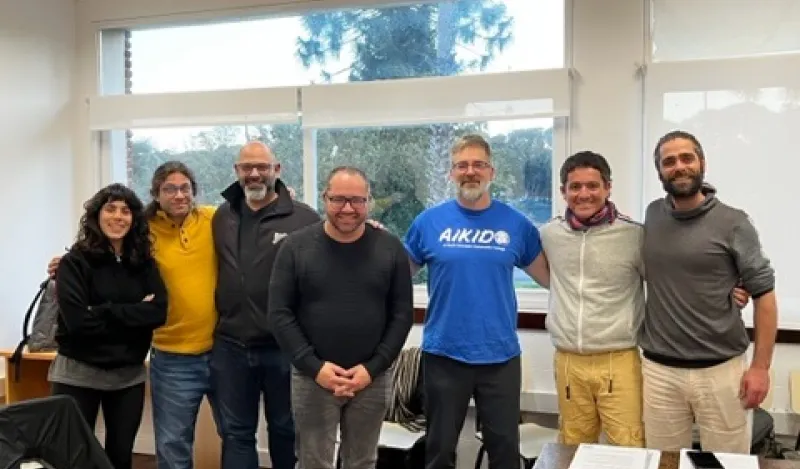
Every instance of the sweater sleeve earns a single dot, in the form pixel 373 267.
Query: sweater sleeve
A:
pixel 72 294
pixel 282 312
pixel 143 314
pixel 400 316
pixel 754 267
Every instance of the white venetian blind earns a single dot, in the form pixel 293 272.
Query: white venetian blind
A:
pixel 263 106
pixel 530 94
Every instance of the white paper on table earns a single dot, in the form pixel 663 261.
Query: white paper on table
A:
pixel 596 456
pixel 728 460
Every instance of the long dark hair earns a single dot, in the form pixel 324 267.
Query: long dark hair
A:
pixel 160 175
pixel 137 245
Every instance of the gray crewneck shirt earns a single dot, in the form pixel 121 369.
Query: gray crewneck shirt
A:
pixel 694 259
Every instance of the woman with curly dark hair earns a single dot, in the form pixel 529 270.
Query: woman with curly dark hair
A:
pixel 111 298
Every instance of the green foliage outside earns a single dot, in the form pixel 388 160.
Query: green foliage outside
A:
pixel 408 166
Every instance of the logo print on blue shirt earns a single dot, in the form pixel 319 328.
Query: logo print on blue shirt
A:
pixel 470 238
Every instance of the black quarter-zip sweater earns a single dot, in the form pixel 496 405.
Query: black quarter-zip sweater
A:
pixel 103 321
pixel 246 243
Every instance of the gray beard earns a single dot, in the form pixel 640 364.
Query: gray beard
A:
pixel 473 194
pixel 256 194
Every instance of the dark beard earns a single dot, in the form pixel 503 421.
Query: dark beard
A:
pixel 339 228
pixel 682 193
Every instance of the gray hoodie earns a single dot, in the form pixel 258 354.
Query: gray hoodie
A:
pixel 694 259
pixel 596 285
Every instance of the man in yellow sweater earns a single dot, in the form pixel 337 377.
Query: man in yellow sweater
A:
pixel 181 352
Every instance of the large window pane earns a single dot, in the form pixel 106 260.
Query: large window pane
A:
pixel 210 153
pixel 717 29
pixel 409 168
pixel 426 39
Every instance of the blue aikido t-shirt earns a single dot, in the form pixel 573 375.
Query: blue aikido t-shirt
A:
pixel 471 255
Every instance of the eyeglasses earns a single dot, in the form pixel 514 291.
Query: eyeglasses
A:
pixel 463 166
pixel 339 201
pixel 260 167
pixel 171 190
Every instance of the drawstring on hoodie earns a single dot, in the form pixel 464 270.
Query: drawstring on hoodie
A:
pixel 566 374
pixel 610 375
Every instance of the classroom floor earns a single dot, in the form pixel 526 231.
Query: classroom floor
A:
pixel 144 461
pixel 467 445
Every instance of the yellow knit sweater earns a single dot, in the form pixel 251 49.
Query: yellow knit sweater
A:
pixel 188 264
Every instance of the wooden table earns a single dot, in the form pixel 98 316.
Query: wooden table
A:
pixel 558 456
pixel 33 383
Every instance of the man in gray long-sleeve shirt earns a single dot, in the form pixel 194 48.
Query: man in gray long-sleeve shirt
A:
pixel 696 250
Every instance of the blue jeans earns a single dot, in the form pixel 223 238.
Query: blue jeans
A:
pixel 178 384
pixel 240 377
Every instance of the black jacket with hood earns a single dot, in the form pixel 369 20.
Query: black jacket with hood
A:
pixel 243 284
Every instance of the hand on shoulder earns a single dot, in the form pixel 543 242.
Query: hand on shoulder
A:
pixel 376 224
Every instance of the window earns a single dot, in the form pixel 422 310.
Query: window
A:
pixel 745 113
pixel 716 29
pixel 210 152
pixel 442 38
pixel 409 168
pixel 391 110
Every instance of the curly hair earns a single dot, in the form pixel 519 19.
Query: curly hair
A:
pixel 160 175
pixel 136 245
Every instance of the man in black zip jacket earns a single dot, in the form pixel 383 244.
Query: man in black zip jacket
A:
pixel 246 361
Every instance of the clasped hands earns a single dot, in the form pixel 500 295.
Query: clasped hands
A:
pixel 341 382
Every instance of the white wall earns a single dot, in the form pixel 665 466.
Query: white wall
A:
pixel 37 48
pixel 607 110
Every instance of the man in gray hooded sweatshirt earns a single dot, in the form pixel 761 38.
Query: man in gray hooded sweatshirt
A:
pixel 693 339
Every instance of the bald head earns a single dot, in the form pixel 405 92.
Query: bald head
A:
pixel 257 170
pixel 256 152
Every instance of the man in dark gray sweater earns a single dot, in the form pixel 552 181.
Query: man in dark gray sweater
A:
pixel 340 305
pixel 696 250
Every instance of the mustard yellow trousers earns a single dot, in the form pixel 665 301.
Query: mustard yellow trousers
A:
pixel 600 393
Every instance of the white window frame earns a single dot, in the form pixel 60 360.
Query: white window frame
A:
pixel 111 113
pixel 249 106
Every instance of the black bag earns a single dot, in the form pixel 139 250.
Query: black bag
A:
pixel 50 429
pixel 42 337
pixel 764 442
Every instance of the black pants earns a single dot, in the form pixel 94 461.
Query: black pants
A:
pixel 122 415
pixel 449 385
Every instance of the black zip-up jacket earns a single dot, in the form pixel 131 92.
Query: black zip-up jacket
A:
pixel 243 283
pixel 103 321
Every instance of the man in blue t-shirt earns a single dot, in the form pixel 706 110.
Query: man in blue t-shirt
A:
pixel 470 346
